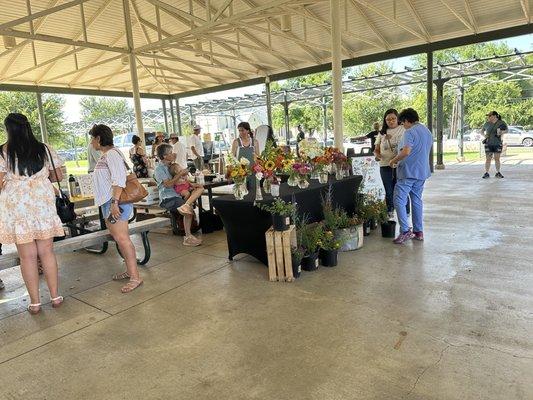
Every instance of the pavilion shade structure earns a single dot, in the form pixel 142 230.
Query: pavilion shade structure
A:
pixel 189 46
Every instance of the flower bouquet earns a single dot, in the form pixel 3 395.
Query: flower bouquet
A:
pixel 302 170
pixel 339 160
pixel 237 171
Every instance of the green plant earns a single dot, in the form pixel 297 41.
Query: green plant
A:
pixel 329 242
pixel 309 236
pixel 297 252
pixel 278 207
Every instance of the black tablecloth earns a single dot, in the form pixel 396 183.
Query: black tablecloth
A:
pixel 245 224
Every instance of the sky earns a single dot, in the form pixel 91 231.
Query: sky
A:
pixel 72 108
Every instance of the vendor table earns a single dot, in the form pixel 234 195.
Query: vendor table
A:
pixel 245 224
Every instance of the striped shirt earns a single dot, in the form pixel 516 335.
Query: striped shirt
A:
pixel 110 170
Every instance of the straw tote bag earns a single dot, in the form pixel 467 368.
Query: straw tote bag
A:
pixel 134 190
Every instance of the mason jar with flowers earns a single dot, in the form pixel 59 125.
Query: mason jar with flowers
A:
pixel 303 169
pixel 237 171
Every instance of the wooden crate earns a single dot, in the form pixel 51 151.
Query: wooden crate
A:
pixel 279 254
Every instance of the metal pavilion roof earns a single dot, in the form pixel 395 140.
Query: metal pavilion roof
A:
pixel 189 45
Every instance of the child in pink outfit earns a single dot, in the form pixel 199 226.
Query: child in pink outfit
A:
pixel 190 192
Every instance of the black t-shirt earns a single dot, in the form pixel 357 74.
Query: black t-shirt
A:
pixel 372 136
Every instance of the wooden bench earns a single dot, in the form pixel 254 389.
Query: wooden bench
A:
pixel 95 239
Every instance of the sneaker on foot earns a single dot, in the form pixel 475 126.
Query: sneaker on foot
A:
pixel 418 236
pixel 403 237
pixel 498 175
pixel 486 175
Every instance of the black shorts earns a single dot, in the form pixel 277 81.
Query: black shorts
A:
pixel 493 148
pixel 172 203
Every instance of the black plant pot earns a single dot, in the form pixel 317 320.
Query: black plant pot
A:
pixel 310 262
pixel 366 228
pixel 280 222
pixel 328 258
pixel 296 266
pixel 388 229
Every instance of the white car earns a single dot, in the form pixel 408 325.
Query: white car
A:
pixel 518 137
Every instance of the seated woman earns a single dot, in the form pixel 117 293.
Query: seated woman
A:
pixel 190 192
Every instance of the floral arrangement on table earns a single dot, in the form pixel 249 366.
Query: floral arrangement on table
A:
pixel 269 163
pixel 337 158
pixel 237 171
pixel 310 149
pixel 301 171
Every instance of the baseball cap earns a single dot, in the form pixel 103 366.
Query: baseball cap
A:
pixel 196 127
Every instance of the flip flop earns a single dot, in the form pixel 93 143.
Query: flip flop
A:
pixel 57 301
pixel 121 276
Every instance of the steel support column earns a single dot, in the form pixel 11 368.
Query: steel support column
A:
pixel 268 101
pixel 336 69
pixel 172 116
pixel 178 115
pixel 42 119
pixel 461 152
pixel 133 71
pixel 440 119
pixel 325 117
pixel 165 115
pixel 286 116
pixel 429 99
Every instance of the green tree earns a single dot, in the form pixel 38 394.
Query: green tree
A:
pixel 95 108
pixel 26 103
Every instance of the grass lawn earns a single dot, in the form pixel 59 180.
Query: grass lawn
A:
pixel 76 169
pixel 469 156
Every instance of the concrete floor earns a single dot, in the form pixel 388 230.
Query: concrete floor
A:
pixel 450 318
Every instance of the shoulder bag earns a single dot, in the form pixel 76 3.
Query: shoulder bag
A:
pixel 134 190
pixel 64 207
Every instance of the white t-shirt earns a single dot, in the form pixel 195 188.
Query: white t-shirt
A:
pixel 181 154
pixel 389 147
pixel 196 142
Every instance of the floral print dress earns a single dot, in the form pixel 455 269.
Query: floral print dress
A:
pixel 27 205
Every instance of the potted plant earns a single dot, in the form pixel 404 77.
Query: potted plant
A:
pixel 348 230
pixel 388 227
pixel 308 238
pixel 297 253
pixel 329 247
pixel 281 212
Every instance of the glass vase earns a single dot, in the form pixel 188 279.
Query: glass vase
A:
pixel 292 181
pixel 267 186
pixel 323 177
pixel 339 172
pixel 303 183
pixel 240 190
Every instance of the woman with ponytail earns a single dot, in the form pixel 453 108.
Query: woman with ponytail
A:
pixel 28 216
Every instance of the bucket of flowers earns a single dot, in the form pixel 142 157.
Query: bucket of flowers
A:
pixel 237 171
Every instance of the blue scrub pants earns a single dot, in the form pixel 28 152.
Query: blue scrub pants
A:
pixel 404 189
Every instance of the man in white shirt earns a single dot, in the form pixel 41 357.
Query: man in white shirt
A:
pixel 197 150
pixel 179 149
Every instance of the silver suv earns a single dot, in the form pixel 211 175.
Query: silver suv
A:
pixel 517 136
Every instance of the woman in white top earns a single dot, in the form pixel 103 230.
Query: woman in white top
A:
pixel 386 149
pixel 109 179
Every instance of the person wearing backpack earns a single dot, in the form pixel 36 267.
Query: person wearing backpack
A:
pixel 494 129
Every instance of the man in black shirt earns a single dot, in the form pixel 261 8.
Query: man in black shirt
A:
pixel 371 135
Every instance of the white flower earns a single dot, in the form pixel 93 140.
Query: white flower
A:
pixel 259 175
pixel 244 161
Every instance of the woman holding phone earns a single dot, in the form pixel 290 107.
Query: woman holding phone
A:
pixel 109 180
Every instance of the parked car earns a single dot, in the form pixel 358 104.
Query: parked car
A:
pixel 518 137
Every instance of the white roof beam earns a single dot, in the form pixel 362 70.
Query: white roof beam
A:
pixel 169 9
pixel 386 16
pixel 40 14
pixel 308 49
pixel 239 17
pixel 81 32
pixel 470 15
pixel 414 13
pixel 371 25
pixel 61 40
pixel 86 68
pixel 526 10
pixel 458 15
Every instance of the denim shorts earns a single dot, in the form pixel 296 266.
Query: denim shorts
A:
pixel 125 210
